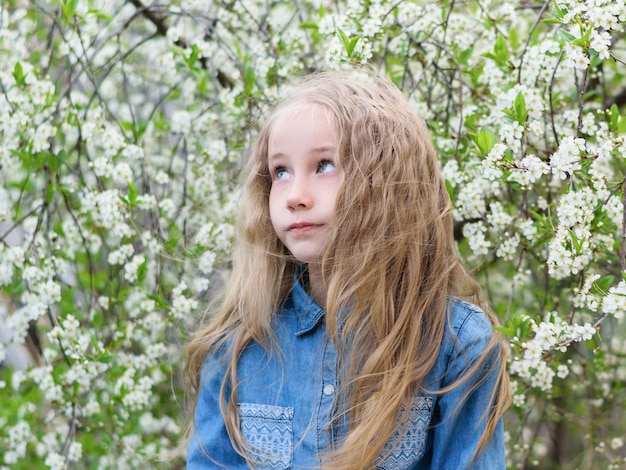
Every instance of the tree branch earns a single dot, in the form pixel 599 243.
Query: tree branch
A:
pixel 161 27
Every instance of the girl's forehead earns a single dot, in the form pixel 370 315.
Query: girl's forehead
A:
pixel 290 110
pixel 284 116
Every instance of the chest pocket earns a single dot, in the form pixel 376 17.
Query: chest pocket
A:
pixel 268 431
pixel 406 447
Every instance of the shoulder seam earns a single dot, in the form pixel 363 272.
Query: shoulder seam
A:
pixel 470 312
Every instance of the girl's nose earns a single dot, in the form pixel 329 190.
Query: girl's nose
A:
pixel 299 196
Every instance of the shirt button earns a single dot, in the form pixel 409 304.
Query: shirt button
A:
pixel 329 389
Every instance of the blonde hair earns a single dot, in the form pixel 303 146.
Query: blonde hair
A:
pixel 390 266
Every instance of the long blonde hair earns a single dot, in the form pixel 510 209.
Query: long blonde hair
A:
pixel 390 265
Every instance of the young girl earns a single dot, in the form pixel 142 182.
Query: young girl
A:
pixel 346 338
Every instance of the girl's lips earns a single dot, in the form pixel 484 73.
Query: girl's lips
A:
pixel 303 227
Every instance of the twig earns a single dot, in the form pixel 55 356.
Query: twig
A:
pixel 623 251
pixel 552 78
pixel 18 223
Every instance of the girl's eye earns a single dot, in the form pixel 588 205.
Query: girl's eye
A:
pixel 326 166
pixel 280 173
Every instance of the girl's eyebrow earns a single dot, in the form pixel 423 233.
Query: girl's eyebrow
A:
pixel 322 149
pixel 325 149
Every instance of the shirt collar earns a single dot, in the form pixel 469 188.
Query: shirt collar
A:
pixel 307 312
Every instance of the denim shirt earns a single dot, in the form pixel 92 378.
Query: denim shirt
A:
pixel 285 400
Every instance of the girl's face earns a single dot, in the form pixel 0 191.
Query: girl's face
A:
pixel 301 155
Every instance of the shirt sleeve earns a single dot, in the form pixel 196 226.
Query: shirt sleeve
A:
pixel 210 446
pixel 461 423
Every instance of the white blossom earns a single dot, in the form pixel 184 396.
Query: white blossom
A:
pixel 75 451
pixel 615 301
pixel 55 461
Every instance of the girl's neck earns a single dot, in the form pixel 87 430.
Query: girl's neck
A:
pixel 316 287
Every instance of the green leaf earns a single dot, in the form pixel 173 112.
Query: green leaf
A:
pixel 348 43
pixel 99 15
pixel 545 223
pixel 18 74
pixel 449 189
pixel 517 326
pixel 617 122
pixel 520 108
pixel 510 114
pixel 39 160
pixel 175 94
pixel 551 21
pixel 507 331
pixel 569 37
pixel 343 38
pixel 309 25
pixel 513 38
pixel 159 300
pixel 558 13
pixel 249 77
pixel 584 40
pixel 523 327
pixel 621 127
pixel 132 195
pixel 501 51
pixel 602 285
pixel 142 271
pixel 107 358
pixel 575 241
pixel 485 139
pixel 50 190
pixel 69 8
pixel 193 56
pixel 126 125
pixel 54 161
pixel 353 42
pixel 465 55
pixel 174 237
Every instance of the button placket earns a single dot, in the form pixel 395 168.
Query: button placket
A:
pixel 327 392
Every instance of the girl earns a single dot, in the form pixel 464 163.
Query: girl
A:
pixel 346 338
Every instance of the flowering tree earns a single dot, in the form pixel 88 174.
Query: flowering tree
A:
pixel 123 127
